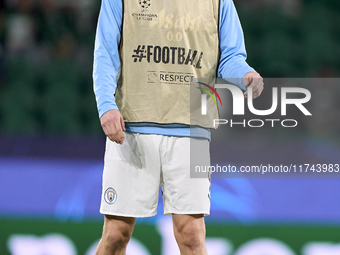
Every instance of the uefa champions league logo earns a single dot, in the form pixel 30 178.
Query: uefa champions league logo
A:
pixel 145 3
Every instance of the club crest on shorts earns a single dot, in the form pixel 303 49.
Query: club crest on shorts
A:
pixel 110 196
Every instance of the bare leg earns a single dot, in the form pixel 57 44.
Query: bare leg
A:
pixel 117 232
pixel 190 233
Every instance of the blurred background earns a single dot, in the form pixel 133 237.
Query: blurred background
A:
pixel 52 145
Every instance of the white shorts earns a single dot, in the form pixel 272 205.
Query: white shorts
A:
pixel 134 171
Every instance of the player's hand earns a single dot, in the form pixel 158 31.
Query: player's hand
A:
pixel 113 125
pixel 255 81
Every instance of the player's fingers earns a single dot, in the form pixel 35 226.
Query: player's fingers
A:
pixel 110 134
pixel 111 138
pixel 258 87
pixel 255 89
pixel 119 135
pixel 107 131
pixel 122 123
pixel 251 86
pixel 247 81
pixel 107 126
pixel 113 125
pixel 255 82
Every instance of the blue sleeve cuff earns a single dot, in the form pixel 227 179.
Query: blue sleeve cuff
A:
pixel 107 108
pixel 242 73
pixel 238 68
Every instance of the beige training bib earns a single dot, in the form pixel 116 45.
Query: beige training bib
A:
pixel 166 43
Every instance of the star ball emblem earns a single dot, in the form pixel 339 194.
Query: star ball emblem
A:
pixel 145 3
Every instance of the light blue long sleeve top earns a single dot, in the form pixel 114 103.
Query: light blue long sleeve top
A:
pixel 106 67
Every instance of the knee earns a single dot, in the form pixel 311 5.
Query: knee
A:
pixel 116 240
pixel 190 236
pixel 116 234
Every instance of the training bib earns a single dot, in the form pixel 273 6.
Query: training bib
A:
pixel 164 45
